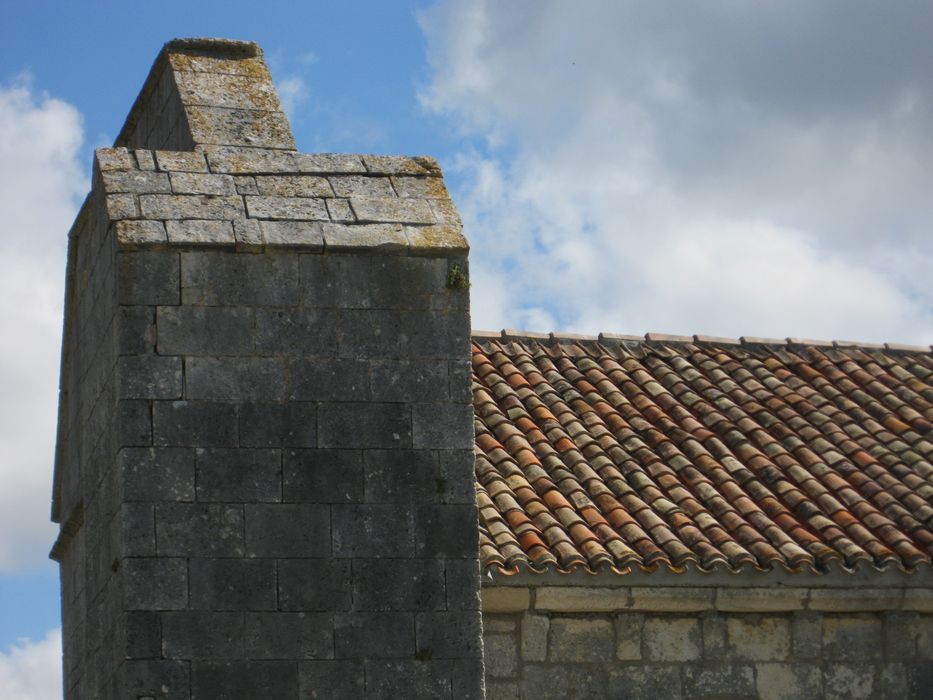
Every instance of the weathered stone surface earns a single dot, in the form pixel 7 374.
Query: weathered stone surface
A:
pixel 852 637
pixel 242 379
pixel 374 635
pixel 287 530
pixel 442 426
pixel 628 628
pixel 157 474
pixel 762 638
pixel 671 639
pixel 339 211
pixel 136 181
pixel 121 206
pixel 848 681
pixel 139 233
pixel 286 208
pixel 190 206
pixel 398 584
pixel 581 640
pixel 401 165
pixel 330 380
pixel 248 236
pixel 419 187
pixel 290 635
pixel 198 529
pixel 505 599
pixel 113 159
pixel 293 186
pixel 199 634
pixel 204 330
pixel 194 423
pixel 385 237
pixel 760 600
pixel 371 530
pixel 361 186
pixel 918 599
pixel 534 636
pixel 788 681
pixel 202 183
pixel 322 680
pixel 221 125
pixel 581 599
pixel 200 232
pixel 732 681
pixel 329 163
pixel 274 424
pixel 238 476
pixel 364 425
pixel 147 277
pixel 857 600
pixel 308 235
pixel 501 655
pixel 181 161
pixel 150 376
pixel 218 680
pixel 155 584
pixel 403 476
pixel 446 531
pixel 232 584
pixel 392 209
pixel 218 278
pixel 449 635
pixel 680 599
pixel 640 682
pixel 223 90
pixel 331 590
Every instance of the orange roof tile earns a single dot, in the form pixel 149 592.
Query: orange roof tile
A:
pixel 618 454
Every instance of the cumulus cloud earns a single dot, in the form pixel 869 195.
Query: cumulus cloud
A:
pixel 723 168
pixel 41 183
pixel 32 670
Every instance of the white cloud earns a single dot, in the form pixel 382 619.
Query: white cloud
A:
pixel 739 170
pixel 41 183
pixel 293 92
pixel 32 670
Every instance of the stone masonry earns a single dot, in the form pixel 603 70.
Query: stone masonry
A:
pixel 264 471
pixel 554 642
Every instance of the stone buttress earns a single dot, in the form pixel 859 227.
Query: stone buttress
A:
pixel 264 470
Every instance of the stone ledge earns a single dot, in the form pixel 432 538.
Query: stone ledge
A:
pixel 582 599
pixel 505 600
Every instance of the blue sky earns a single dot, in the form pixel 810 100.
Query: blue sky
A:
pixel 721 168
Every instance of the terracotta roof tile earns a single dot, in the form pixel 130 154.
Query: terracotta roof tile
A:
pixel 619 454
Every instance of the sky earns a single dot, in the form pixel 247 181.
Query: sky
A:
pixel 726 168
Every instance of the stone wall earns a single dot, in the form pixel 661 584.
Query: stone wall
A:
pixel 561 642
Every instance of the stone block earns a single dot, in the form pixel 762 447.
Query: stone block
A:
pixel 288 530
pixel 628 628
pixel 436 240
pixel 136 330
pixel 324 680
pixel 760 600
pixel 671 639
pixel 153 678
pixel 732 680
pixel 367 334
pixel 399 584
pixel 589 640
pixel 183 161
pixel 199 634
pixel 854 600
pixel 440 335
pixel 113 159
pixel 121 206
pixel 150 377
pixel 900 635
pixel 290 635
pixel 581 599
pixel 272 424
pixel 679 599
pixel 293 186
pixel 306 235
pixel 296 332
pixel 391 210
pixel 219 125
pixel 852 637
pixel 339 211
pixel 445 213
pixel 135 181
pixel 225 278
pixel 141 634
pixel 202 183
pixel 848 681
pixel 322 476
pixel 130 233
pixel 374 635
pixel 371 531
pixel 501 655
pixel 198 529
pixel 760 638
pixel 245 184
pixel 714 635
pixel 364 425
pixel 194 423
pixel 330 590
pixel 408 381
pixel 362 237
pixel 449 634
pixel 137 530
pixel 147 278
pixel 448 530
pixel 638 682
pixel 223 680
pixel 502 690
pixel 248 236
pixel 204 330
pixel 235 378
pixel 329 163
pixel 401 165
pixel 442 426
pixel 190 206
pixel 534 636
pixel 361 186
pixel 155 583
pixel 894 681
pixel 420 187
pixel 403 476
pixel 505 599
pixel 459 479
pixel 238 475
pixel 918 600
pixel 232 584
pixel 328 380
pixel 807 633
pixel 286 208
pixel 200 232
pixel 157 474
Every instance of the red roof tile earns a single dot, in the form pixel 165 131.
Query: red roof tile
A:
pixel 619 454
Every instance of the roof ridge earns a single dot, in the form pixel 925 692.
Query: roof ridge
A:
pixel 509 334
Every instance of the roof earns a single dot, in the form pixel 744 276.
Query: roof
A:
pixel 619 453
